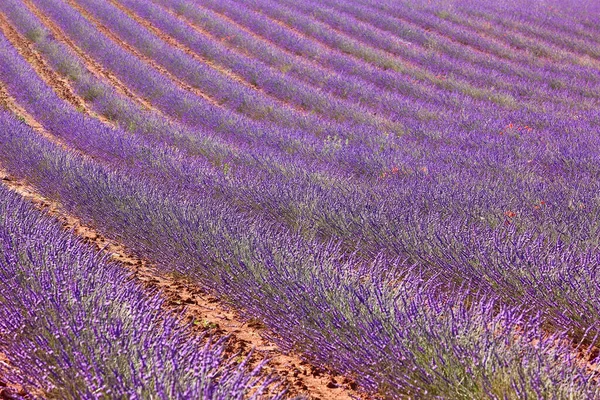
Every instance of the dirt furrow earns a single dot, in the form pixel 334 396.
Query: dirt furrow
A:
pixel 108 33
pixel 219 68
pixel 201 307
pixel 93 67
pixel 10 390
pixel 59 84
pixel 9 103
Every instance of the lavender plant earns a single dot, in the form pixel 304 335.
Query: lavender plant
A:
pixel 328 301
pixel 82 328
pixel 410 258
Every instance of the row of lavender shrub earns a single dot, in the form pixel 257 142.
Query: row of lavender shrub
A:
pixel 78 327
pixel 456 245
pixel 400 339
pixel 261 287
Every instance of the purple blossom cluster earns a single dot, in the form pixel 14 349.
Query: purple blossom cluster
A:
pixel 78 326
pixel 428 228
pixel 406 339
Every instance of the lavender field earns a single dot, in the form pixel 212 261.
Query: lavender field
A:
pixel 403 196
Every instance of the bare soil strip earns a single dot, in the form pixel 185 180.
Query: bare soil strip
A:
pixel 227 72
pixel 207 312
pixel 118 42
pixel 9 103
pixel 93 67
pixel 10 390
pixel 60 85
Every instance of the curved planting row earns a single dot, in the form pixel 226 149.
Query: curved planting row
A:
pixel 323 216
pixel 298 43
pixel 458 50
pixel 387 253
pixel 399 226
pixel 81 328
pixel 236 39
pixel 193 110
pixel 409 340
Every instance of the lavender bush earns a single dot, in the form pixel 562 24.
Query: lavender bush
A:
pixel 81 328
pixel 454 256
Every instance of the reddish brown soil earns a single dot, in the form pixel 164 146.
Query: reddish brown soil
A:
pixel 60 85
pixel 178 45
pixel 10 390
pixel 205 309
pixel 7 102
pixel 92 66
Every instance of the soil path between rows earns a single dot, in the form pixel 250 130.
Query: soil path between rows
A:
pixel 202 307
pixel 219 68
pixel 92 65
pixel 60 85
pixel 9 103
pixel 10 390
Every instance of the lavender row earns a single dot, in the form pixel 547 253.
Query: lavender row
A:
pixel 402 341
pixel 175 102
pixel 541 32
pixel 259 75
pixel 453 56
pixel 479 76
pixel 146 153
pixel 81 328
pixel 532 42
pixel 216 84
pixel 569 18
pixel 376 57
pixel 392 105
pixel 117 108
pixel 239 128
pixel 110 146
pixel 203 16
pixel 531 45
pixel 430 189
pixel 194 111
pixel 291 41
pixel 333 208
pixel 470 74
pixel 447 21
pixel 577 44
